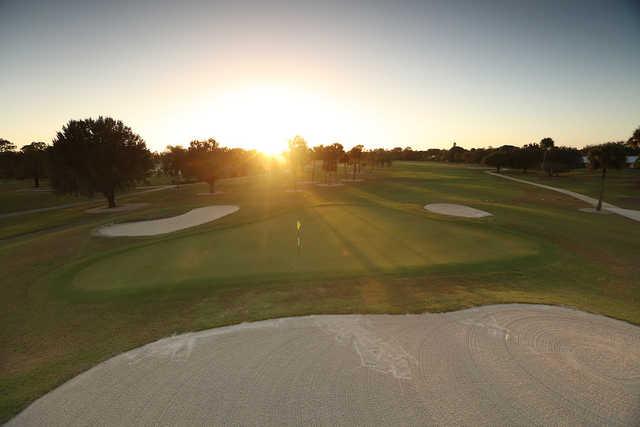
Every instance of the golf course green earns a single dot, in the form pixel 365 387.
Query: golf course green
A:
pixel 71 298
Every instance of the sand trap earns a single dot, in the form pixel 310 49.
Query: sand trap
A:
pixel 120 208
pixel 512 364
pixel 294 191
pixel 168 225
pixel 352 180
pixel 456 210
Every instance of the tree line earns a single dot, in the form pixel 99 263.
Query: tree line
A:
pixel 104 156
pixel 545 155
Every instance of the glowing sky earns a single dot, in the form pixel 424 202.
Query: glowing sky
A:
pixel 255 73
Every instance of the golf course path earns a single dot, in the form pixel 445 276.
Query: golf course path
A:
pixel 627 213
pixel 513 364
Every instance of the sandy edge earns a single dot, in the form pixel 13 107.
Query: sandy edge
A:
pixel 456 210
pixel 154 227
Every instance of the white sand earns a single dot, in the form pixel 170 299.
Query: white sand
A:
pixel 513 364
pixel 168 225
pixel 120 208
pixel 456 210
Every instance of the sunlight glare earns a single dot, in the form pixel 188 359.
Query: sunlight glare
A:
pixel 265 118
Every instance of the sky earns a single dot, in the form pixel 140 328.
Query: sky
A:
pixel 254 74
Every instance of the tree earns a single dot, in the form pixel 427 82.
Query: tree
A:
pixel 297 156
pixel 455 154
pixel 6 146
pixel 207 161
pixel 8 158
pixel 174 162
pixel 497 159
pixel 317 153
pixel 475 155
pixel 634 141
pixel 332 154
pixel 355 155
pixel 547 145
pixel 526 157
pixel 98 155
pixel 562 159
pixel 606 156
pixel 34 159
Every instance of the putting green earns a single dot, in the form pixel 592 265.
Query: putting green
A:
pixel 336 240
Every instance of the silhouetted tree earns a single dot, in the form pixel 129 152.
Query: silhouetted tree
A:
pixel 606 156
pixel 497 159
pixel 547 145
pixel 175 162
pixel 317 154
pixel 97 155
pixel 8 158
pixel 475 155
pixel 634 141
pixel 207 161
pixel 34 158
pixel 355 156
pixel 526 157
pixel 455 154
pixel 6 146
pixel 562 159
pixel 332 154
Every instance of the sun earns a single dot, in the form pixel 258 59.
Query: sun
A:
pixel 262 117
pixel 259 117
pixel 266 117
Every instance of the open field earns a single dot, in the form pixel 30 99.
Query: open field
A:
pixel 71 299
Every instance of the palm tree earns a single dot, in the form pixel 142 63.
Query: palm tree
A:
pixel 354 156
pixel 546 144
pixel 634 141
pixel 606 156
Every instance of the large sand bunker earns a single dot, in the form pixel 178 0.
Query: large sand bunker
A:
pixel 495 365
pixel 168 225
pixel 456 210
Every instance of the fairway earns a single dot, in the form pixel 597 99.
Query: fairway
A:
pixel 71 299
